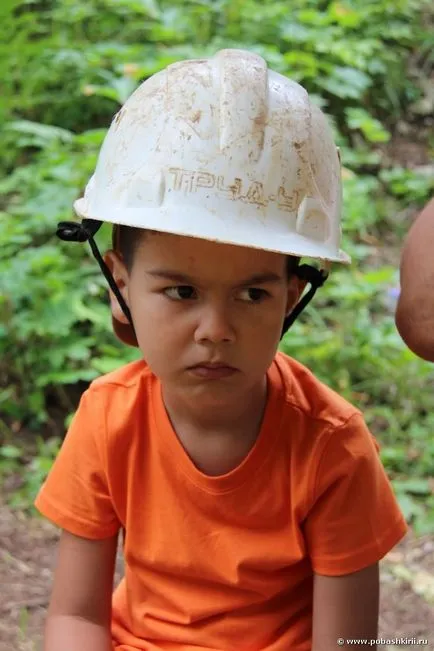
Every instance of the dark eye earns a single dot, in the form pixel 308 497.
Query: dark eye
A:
pixel 254 294
pixel 180 292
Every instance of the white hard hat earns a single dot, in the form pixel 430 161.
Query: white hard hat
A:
pixel 222 149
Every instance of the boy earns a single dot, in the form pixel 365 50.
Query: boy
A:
pixel 252 502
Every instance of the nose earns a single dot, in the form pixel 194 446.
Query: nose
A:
pixel 214 325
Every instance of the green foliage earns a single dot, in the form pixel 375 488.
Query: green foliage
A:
pixel 67 65
pixel 406 184
pixel 11 462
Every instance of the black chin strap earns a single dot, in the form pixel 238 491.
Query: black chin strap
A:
pixel 316 278
pixel 84 232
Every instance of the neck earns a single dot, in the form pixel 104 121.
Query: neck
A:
pixel 243 414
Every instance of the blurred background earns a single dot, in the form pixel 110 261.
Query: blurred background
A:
pixel 66 66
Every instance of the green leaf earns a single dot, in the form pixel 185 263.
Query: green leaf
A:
pixel 409 507
pixel 105 364
pixel 346 82
pixel 413 486
pixel 372 129
pixel 424 525
pixel 345 15
pixel 10 452
pixel 38 135
pixel 151 7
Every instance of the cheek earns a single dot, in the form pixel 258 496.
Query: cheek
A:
pixel 271 314
pixel 155 319
pixel 268 325
pixel 146 305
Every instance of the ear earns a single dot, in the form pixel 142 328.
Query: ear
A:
pixel 117 267
pixel 296 288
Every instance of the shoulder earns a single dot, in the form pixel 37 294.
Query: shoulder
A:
pixel 313 400
pixel 122 388
pixel 318 423
pixel 127 377
pixel 345 500
pixel 117 400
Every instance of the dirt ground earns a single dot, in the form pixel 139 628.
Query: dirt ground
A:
pixel 27 555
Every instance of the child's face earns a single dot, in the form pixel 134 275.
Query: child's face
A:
pixel 194 301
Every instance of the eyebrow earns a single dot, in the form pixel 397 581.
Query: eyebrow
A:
pixel 256 279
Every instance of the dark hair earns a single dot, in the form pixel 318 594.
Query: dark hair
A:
pixel 127 238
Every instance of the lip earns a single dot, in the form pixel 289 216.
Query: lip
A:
pixel 213 365
pixel 215 370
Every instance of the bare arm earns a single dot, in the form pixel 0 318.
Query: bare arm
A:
pixel 415 310
pixel 345 607
pixel 80 607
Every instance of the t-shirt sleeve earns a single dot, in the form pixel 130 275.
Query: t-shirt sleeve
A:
pixel 354 518
pixel 76 495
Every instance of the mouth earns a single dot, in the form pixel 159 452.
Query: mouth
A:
pixel 213 365
pixel 212 370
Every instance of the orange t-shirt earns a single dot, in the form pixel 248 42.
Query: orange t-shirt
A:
pixel 227 562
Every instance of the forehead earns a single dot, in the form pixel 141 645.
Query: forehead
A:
pixel 205 258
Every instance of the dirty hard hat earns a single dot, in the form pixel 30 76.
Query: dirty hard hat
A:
pixel 223 149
